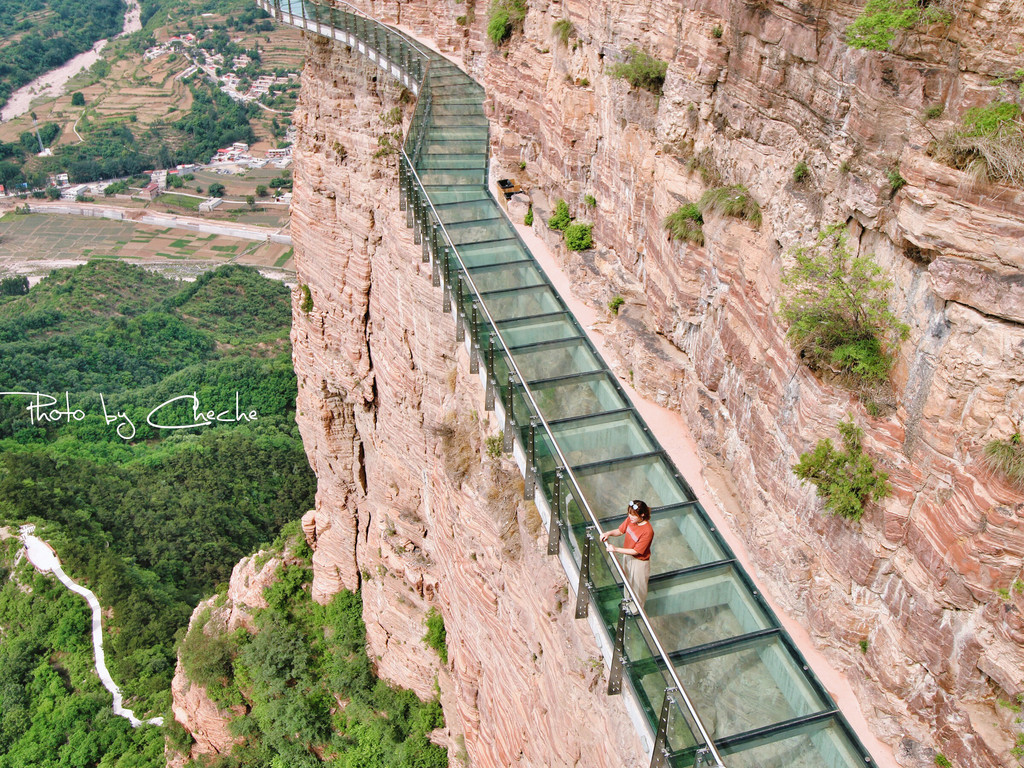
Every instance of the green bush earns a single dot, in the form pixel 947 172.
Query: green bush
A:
pixel 801 172
pixel 77 99
pixel 503 18
pixel 717 31
pixel 989 143
pixel 846 479
pixel 616 304
pixel 941 761
pixel 686 223
pixel 563 30
pixel 1007 458
pixel 590 201
pixel 896 181
pixel 307 300
pixel 880 21
pixel 437 636
pixel 732 201
pixel 934 111
pixel 641 70
pixel 837 310
pixel 528 219
pixel 561 219
pixel 578 237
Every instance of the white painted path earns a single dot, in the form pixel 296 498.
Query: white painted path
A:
pixel 42 556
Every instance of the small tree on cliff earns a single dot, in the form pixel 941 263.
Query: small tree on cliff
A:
pixel 846 479
pixel 838 312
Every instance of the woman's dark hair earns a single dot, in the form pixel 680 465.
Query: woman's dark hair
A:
pixel 641 509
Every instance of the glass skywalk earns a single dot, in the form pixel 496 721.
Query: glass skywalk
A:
pixel 719 680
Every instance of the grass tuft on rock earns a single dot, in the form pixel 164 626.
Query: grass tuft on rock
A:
pixel 732 201
pixel 686 224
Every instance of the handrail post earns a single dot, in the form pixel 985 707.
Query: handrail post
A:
pixel 446 289
pixel 474 346
pixel 417 230
pixel 426 224
pixel 555 528
pixel 410 208
pixel 618 650
pixel 583 589
pixel 530 480
pixel 402 193
pixel 491 383
pixel 435 269
pixel 460 328
pixel 659 757
pixel 510 421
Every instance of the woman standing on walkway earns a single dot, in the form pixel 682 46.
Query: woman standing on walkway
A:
pixel 639 534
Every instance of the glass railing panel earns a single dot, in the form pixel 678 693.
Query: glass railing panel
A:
pixel 477 231
pixel 704 607
pixel 491 252
pixel 823 744
pixel 499 277
pixel 556 359
pixel 439 145
pixel 430 177
pixel 441 195
pixel 450 161
pixel 467 211
pixel 682 540
pixel 650 478
pixel 749 685
pixel 602 437
pixel 578 396
pixel 468 126
pixel 522 303
pixel 518 333
pixel 457 130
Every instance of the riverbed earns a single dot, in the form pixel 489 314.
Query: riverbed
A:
pixel 51 84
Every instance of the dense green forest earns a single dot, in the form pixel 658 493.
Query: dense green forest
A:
pixel 290 675
pixel 43 34
pixel 153 522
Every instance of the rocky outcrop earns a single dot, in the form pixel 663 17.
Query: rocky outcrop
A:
pixel 410 508
pixel 926 577
pixel 203 718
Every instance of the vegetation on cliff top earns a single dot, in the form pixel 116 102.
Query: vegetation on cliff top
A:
pixel 846 478
pixel 836 307
pixel 308 687
pixel 152 523
pixel 882 20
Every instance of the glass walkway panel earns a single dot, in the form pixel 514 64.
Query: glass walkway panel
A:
pixel 717 678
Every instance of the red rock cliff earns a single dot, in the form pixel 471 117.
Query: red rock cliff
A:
pixel 920 577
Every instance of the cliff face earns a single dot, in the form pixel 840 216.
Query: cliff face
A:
pixel 410 507
pixel 918 577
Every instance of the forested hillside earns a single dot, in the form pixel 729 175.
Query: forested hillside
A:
pixel 38 35
pixel 150 523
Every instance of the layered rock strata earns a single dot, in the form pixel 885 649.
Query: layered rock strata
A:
pixel 410 507
pixel 927 578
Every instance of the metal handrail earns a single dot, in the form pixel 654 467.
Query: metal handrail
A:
pixel 566 467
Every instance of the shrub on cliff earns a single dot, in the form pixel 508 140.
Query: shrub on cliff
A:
pixel 560 219
pixel 503 18
pixel 837 310
pixel 437 637
pixel 578 237
pixel 846 478
pixel 1007 458
pixel 881 20
pixel 641 70
pixel 989 143
pixel 686 224
pixel 732 201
